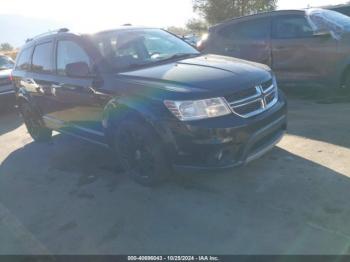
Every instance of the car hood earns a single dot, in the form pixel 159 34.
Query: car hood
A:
pixel 208 73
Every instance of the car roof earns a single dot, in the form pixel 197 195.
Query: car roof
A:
pixel 65 32
pixel 124 28
pixel 262 15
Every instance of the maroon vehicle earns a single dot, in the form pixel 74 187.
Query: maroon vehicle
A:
pixel 309 46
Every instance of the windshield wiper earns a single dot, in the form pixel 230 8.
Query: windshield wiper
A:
pixel 179 55
pixel 175 56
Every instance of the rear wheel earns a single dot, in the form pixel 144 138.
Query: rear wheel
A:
pixel 34 124
pixel 140 152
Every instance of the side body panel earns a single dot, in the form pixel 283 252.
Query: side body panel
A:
pixel 247 39
pixel 306 58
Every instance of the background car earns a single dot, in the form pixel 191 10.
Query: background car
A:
pixel 6 89
pixel 302 46
pixel 191 39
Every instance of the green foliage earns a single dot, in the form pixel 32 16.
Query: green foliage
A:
pixel 180 31
pixel 5 47
pixel 216 11
pixel 197 26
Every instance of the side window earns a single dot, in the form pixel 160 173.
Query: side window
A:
pixel 256 29
pixel 156 44
pixel 42 58
pixel 23 62
pixel 69 52
pixel 285 27
pixel 127 50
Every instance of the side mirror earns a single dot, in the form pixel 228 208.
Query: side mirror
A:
pixel 323 33
pixel 78 69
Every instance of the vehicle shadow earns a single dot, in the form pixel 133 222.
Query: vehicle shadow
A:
pixel 69 197
pixel 9 120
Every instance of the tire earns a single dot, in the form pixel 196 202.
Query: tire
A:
pixel 140 152
pixel 34 124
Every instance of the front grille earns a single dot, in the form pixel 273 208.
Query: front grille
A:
pixel 266 85
pixel 270 97
pixel 241 94
pixel 246 109
pixel 254 100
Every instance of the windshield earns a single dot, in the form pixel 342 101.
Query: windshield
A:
pixel 6 63
pixel 128 49
pixel 330 20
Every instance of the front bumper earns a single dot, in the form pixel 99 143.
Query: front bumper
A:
pixel 226 142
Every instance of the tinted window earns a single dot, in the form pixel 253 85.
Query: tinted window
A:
pixel 291 27
pixel 69 52
pixel 254 29
pixel 23 62
pixel 42 58
pixel 330 21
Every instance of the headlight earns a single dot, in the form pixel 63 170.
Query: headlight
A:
pixel 198 109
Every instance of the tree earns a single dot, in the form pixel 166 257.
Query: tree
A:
pixel 216 11
pixel 197 26
pixel 6 47
pixel 180 31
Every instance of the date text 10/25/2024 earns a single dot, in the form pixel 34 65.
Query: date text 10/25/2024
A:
pixel 173 258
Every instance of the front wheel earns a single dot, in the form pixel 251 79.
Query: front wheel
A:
pixel 140 152
pixel 34 124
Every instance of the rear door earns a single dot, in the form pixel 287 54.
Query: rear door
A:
pixel 39 77
pixel 23 63
pixel 248 40
pixel 298 55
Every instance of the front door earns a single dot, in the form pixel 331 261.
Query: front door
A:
pixel 299 55
pixel 248 40
pixel 80 106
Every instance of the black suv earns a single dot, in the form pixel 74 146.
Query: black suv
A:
pixel 150 96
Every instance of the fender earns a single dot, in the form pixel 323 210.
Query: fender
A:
pixel 22 94
pixel 117 108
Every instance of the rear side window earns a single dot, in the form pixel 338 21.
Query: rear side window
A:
pixel 69 52
pixel 286 27
pixel 42 58
pixel 250 30
pixel 23 62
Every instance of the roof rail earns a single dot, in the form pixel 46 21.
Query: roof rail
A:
pixel 60 30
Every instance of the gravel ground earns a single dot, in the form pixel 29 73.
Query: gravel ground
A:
pixel 65 198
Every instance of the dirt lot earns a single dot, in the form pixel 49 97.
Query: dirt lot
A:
pixel 64 197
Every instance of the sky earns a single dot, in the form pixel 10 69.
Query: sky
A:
pixel 101 14
pixel 88 16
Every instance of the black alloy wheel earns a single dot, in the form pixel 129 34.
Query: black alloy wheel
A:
pixel 34 124
pixel 140 152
